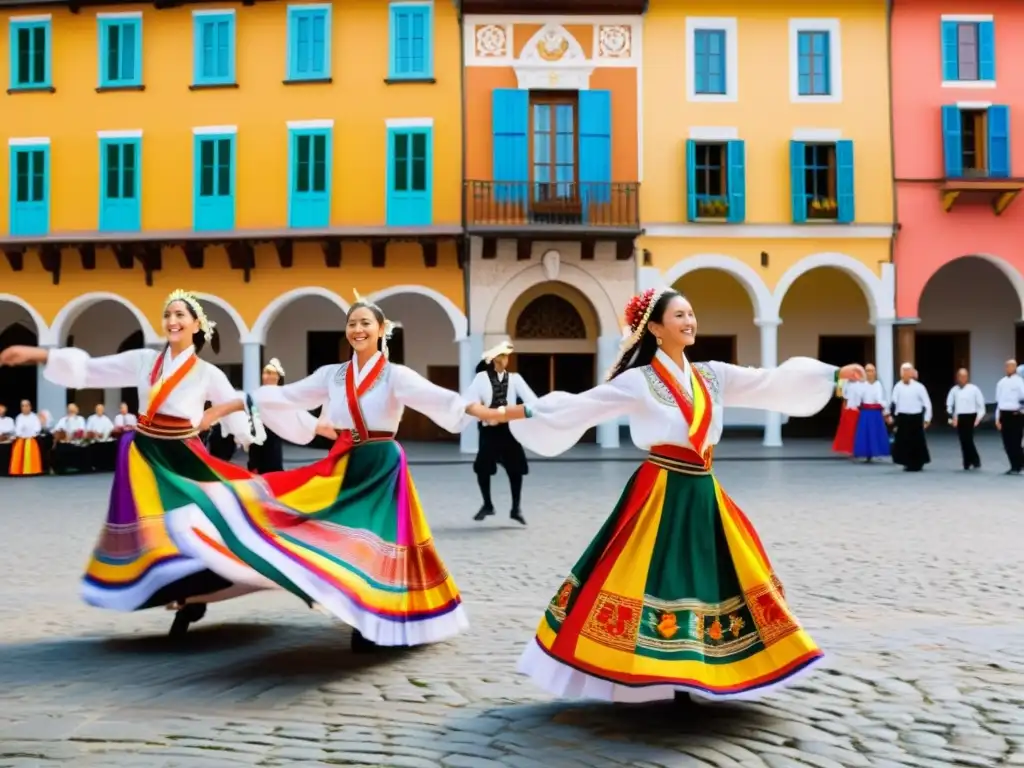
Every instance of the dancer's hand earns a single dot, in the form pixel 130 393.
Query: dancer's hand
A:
pixel 852 372
pixel 210 417
pixel 19 355
pixel 326 430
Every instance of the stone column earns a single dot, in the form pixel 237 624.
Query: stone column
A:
pixel 907 332
pixel 607 352
pixel 252 366
pixel 49 396
pixel 884 362
pixel 470 350
pixel 770 359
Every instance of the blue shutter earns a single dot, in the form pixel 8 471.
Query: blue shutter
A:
pixel 510 122
pixel 29 190
pixel 950 57
pixel 986 51
pixel 411 42
pixel 214 49
pixel 736 182
pixel 409 201
pixel 213 202
pixel 595 148
pixel 999 141
pixel 797 184
pixel 120 185
pixel 309 43
pixel 308 205
pixel 951 142
pixel 691 180
pixel 844 182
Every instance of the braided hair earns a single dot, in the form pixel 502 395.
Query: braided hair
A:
pixel 639 346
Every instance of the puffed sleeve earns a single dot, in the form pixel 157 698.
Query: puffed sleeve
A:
pixel 479 389
pixel 559 419
pixel 220 392
pixel 284 410
pixel 800 386
pixel 442 406
pixel 75 369
pixel 523 391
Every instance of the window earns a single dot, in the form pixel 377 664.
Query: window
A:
pixel 712 66
pixel 309 44
pixel 31 54
pixel 709 61
pixel 120 50
pixel 715 181
pixel 822 181
pixel 968 49
pixel 411 34
pixel 214 48
pixel 553 157
pixel 214 205
pixel 310 182
pixel 30 188
pixel 410 195
pixel 976 141
pixel 120 188
pixel 815 61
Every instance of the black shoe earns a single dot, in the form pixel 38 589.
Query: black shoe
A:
pixel 485 511
pixel 190 614
pixel 360 644
pixel 518 517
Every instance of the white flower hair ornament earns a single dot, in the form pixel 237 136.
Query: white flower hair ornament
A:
pixel 205 324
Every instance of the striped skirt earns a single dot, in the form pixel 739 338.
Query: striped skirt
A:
pixel 26 458
pixel 675 593
pixel 346 534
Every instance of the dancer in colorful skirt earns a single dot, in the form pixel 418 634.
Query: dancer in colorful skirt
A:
pixel 162 465
pixel 26 454
pixel 848 418
pixel 496 386
pixel 347 534
pixel 872 440
pixel 676 592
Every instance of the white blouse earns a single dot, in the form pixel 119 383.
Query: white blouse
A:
pixel 911 398
pixel 799 387
pixel 871 393
pixel 283 408
pixel 99 425
pixel 75 369
pixel 851 395
pixel 70 424
pixel 27 425
pixel 125 420
pixel 6 425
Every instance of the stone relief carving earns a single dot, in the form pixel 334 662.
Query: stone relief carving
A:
pixel 553 59
pixel 492 41
pixel 551 261
pixel 614 41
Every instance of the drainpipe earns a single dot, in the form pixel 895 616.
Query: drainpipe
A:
pixel 889 5
pixel 462 170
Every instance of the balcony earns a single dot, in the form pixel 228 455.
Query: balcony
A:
pixel 557 211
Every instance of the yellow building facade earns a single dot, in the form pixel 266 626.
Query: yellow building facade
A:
pixel 766 189
pixel 274 157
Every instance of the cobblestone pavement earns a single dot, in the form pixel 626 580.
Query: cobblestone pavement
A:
pixel 909 582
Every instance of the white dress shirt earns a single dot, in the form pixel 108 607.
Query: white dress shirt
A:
pixel 27 425
pixel 125 420
pixel 965 400
pixel 871 393
pixel 101 426
pixel 6 425
pixel 69 425
pixel 518 390
pixel 911 398
pixel 851 395
pixel 1010 394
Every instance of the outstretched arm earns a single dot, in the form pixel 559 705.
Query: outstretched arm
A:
pixel 448 409
pixel 800 386
pixel 75 369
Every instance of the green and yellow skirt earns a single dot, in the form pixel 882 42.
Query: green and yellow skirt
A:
pixel 676 593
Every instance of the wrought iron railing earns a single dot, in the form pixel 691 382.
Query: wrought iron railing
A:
pixel 601 205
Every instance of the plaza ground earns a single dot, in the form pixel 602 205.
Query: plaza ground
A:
pixel 909 582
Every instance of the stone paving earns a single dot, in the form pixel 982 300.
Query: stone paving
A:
pixel 909 582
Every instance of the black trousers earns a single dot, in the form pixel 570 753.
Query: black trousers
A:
pixel 1013 432
pixel 965 431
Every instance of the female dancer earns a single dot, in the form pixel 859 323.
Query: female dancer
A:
pixel 136 563
pixel 676 592
pixel 848 418
pixel 872 440
pixel 347 534
pixel 495 386
pixel 269 457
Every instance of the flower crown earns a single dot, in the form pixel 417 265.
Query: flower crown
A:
pixel 637 315
pixel 205 324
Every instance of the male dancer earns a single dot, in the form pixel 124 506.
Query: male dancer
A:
pixel 496 388
pixel 1010 416
pixel 966 407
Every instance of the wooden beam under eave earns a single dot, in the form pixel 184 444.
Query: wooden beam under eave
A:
pixel 948 198
pixel 1002 201
pixel 16 259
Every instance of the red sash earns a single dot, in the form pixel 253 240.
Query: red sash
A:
pixel 696 411
pixel 158 395
pixel 352 394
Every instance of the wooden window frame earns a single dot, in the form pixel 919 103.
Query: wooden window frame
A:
pixel 979 118
pixel 723 170
pixel 812 34
pixel 832 182
pixel 961 46
pixel 572 205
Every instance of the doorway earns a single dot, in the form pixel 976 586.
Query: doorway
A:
pixel 19 382
pixel 838 351
pixel 938 356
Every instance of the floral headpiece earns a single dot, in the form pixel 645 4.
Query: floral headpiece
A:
pixel 637 315
pixel 205 324
pixel 388 328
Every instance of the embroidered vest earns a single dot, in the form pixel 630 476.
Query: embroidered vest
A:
pixel 499 389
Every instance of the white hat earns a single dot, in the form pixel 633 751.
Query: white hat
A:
pixel 274 365
pixel 505 348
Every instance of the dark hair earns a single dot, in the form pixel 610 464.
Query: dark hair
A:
pixel 642 352
pixel 378 313
pixel 483 365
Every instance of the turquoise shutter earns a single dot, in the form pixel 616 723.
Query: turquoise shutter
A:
pixel 951 142
pixel 986 51
pixel 510 110
pixel 736 182
pixel 691 180
pixel 797 186
pixel 999 141
pixel 844 182
pixel 595 148
pixel 950 58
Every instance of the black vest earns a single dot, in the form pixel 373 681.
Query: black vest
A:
pixel 499 389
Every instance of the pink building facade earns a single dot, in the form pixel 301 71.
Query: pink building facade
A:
pixel 958 116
